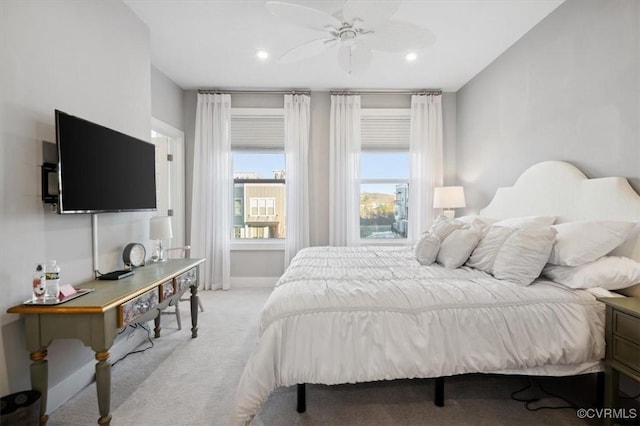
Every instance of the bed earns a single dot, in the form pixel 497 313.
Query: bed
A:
pixel 361 314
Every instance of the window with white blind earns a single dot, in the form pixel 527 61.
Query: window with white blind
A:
pixel 257 145
pixel 384 173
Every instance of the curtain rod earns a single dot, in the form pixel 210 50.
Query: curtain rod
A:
pixel 256 91
pixel 333 92
pixel 386 92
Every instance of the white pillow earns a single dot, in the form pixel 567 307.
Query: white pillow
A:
pixel 477 224
pixel 427 249
pixel 610 272
pixel 581 242
pixel 457 247
pixel 442 227
pixel 472 218
pixel 484 255
pixel 521 222
pixel 524 254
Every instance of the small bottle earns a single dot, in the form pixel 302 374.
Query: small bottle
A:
pixel 39 282
pixel 52 288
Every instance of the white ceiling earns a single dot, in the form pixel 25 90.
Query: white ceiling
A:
pixel 213 43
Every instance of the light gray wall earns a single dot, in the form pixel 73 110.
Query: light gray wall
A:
pixel 166 100
pixel 271 263
pixel 90 59
pixel 449 108
pixel 568 90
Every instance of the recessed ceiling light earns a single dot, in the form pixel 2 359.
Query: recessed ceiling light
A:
pixel 411 56
pixel 262 54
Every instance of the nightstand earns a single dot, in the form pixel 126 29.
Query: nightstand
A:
pixel 622 334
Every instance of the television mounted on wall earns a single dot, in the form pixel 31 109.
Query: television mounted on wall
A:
pixel 102 170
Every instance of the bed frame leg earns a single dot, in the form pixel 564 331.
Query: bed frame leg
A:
pixel 438 399
pixel 302 398
pixel 600 389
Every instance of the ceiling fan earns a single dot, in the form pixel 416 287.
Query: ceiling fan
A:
pixel 359 29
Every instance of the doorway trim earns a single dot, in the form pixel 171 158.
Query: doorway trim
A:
pixel 178 151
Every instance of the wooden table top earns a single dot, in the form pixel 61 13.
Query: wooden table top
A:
pixel 109 294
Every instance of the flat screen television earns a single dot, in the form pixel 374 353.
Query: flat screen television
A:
pixel 102 170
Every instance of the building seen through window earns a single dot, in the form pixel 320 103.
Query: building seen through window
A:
pixel 259 195
pixel 384 195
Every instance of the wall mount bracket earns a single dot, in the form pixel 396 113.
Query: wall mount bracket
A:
pixel 49 183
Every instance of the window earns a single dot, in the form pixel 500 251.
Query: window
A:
pixel 257 143
pixel 262 206
pixel 384 174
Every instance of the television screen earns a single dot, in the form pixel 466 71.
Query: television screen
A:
pixel 102 170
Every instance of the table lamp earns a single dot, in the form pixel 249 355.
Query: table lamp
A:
pixel 160 229
pixel 448 198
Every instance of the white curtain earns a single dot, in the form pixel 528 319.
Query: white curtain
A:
pixel 296 147
pixel 212 196
pixel 344 171
pixel 426 173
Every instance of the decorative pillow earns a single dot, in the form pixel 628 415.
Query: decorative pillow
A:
pixel 475 219
pixel 427 249
pixel 457 247
pixel 442 227
pixel 581 242
pixel 484 255
pixel 610 272
pixel 524 254
pixel 477 224
pixel 628 246
pixel 522 222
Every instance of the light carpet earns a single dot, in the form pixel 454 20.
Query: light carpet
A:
pixel 184 381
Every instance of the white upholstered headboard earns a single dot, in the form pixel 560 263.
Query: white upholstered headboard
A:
pixel 557 188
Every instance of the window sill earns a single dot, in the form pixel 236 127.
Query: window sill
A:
pixel 257 245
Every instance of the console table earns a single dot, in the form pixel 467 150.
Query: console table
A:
pixel 95 319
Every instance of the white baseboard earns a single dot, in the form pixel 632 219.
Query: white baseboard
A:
pixel 85 375
pixel 244 282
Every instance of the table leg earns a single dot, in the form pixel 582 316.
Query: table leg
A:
pixel 103 387
pixel 611 390
pixel 157 328
pixel 40 380
pixel 194 311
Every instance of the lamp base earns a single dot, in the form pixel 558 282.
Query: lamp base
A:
pixel 161 255
pixel 449 214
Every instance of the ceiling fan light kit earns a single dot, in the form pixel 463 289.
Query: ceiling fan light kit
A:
pixel 360 29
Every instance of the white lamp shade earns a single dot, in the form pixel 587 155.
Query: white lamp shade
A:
pixel 448 197
pixel 160 228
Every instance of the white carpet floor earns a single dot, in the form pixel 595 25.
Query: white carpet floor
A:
pixel 184 381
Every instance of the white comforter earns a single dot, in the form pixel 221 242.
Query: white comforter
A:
pixel 357 314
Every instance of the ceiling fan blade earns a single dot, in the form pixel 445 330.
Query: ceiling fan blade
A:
pixel 302 16
pixel 398 36
pixel 308 50
pixel 355 59
pixel 373 14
